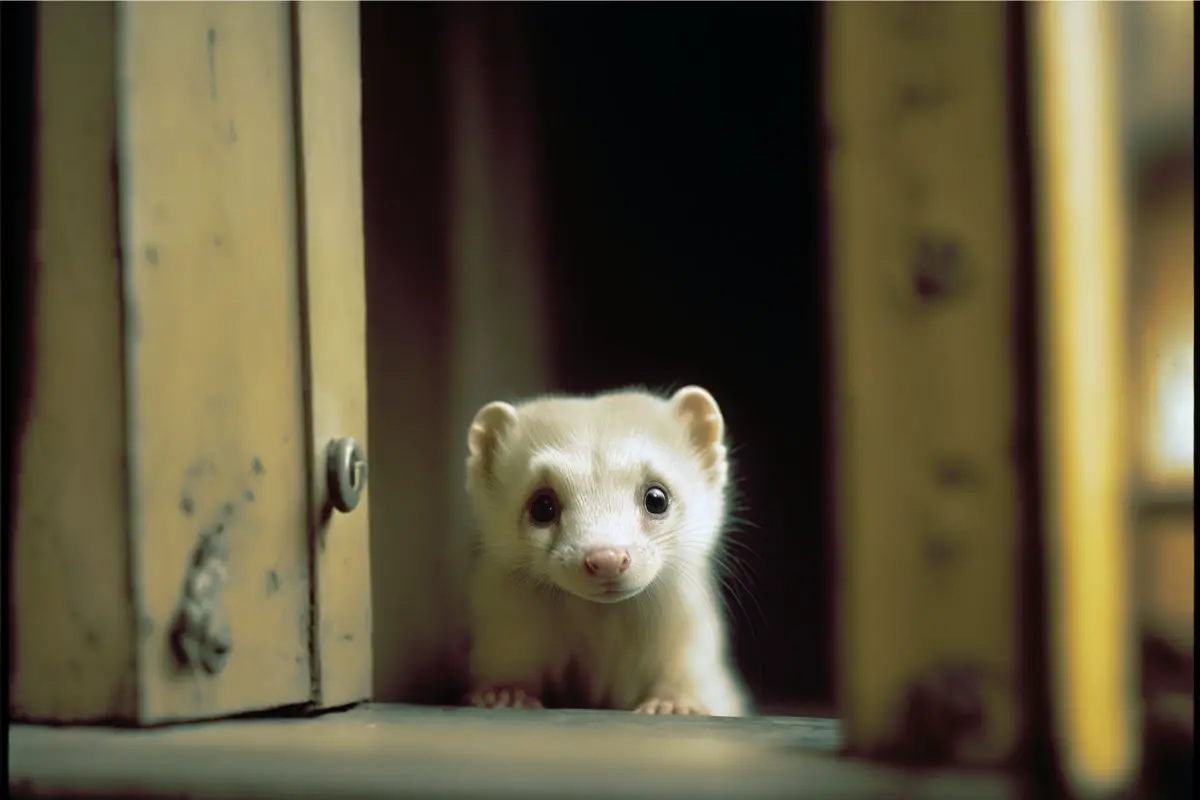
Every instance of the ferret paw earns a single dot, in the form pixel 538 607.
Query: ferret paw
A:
pixel 663 707
pixel 504 698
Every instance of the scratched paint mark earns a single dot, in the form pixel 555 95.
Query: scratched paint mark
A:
pixel 212 63
pixel 152 255
pixel 201 467
pixel 272 582
pixel 232 132
pixel 257 466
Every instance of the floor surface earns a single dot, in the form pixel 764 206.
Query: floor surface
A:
pixel 394 751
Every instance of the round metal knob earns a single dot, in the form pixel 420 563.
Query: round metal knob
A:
pixel 346 470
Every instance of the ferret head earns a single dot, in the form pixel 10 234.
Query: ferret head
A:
pixel 600 497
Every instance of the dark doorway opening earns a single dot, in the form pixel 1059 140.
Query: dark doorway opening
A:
pixel 682 169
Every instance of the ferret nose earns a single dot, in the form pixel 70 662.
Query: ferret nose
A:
pixel 606 562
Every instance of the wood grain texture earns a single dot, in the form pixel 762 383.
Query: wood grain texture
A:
pixel 218 438
pixel 330 105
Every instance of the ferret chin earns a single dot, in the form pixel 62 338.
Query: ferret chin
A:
pixel 593 584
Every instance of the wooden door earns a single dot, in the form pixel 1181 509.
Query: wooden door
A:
pixel 196 342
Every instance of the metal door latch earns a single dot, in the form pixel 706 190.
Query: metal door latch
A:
pixel 346 473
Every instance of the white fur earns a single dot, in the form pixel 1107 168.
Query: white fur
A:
pixel 536 616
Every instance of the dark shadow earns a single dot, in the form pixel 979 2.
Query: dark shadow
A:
pixel 18 28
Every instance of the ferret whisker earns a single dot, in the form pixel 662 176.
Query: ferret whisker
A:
pixel 733 543
pixel 736 566
pixel 727 594
pixel 739 590
pixel 734 523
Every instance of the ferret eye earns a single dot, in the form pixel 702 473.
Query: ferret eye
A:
pixel 543 508
pixel 656 501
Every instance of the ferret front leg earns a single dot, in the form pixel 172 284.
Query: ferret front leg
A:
pixel 504 677
pixel 677 692
pixel 667 707
pixel 506 672
pixel 504 698
pixel 693 685
pixel 507 660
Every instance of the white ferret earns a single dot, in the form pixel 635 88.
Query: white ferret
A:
pixel 593 585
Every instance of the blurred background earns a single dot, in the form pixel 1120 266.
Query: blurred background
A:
pixel 1158 103
pixel 574 199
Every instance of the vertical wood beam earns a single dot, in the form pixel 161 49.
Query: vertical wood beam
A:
pixel 329 92
pixel 922 244
pixel 1084 330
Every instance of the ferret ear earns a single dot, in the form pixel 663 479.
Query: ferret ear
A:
pixel 699 412
pixel 487 430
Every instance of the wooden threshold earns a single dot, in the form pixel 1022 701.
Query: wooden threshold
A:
pixel 400 751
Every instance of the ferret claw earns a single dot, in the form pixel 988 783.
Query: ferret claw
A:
pixel 671 708
pixel 504 698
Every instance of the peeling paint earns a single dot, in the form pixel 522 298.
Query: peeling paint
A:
pixel 201 634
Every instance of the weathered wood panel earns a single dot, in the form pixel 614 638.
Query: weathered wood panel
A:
pixel 922 258
pixel 218 439
pixel 330 103
pixel 73 617
pixel 168 458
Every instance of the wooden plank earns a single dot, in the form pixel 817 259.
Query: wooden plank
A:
pixel 922 242
pixel 73 617
pixel 330 114
pixel 218 440
pixel 1085 423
